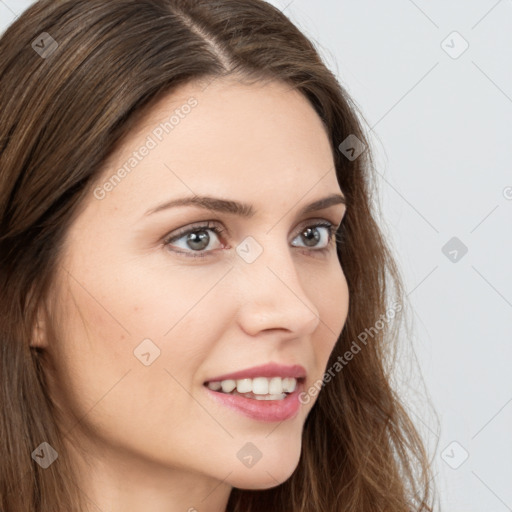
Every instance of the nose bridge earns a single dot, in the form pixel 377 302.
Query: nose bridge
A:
pixel 271 288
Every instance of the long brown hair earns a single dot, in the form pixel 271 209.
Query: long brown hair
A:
pixel 75 75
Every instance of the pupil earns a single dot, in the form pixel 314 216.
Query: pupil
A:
pixel 311 233
pixel 194 238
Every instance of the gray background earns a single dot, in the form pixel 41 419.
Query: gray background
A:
pixel 440 125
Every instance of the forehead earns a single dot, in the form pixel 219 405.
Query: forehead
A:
pixel 256 142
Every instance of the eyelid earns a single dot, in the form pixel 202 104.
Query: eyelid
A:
pixel 195 226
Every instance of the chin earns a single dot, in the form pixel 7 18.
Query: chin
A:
pixel 264 475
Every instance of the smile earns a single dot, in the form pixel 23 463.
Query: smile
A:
pixel 259 388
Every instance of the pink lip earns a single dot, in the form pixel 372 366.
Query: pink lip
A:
pixel 262 410
pixel 265 370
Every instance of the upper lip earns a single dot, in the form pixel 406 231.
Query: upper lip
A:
pixel 265 370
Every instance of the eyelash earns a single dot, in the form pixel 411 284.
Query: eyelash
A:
pixel 331 228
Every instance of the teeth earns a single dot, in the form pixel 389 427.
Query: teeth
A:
pixel 244 385
pixel 289 384
pixel 275 386
pixel 271 388
pixel 228 385
pixel 215 386
pixel 270 397
pixel 260 386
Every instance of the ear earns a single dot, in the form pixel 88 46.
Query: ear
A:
pixel 39 338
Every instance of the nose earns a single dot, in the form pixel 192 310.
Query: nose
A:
pixel 272 295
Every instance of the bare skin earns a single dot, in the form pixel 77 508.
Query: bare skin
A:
pixel 150 437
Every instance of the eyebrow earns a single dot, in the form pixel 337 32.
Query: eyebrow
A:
pixel 238 208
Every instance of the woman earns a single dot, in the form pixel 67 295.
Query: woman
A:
pixel 195 293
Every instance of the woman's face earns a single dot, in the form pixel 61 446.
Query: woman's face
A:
pixel 145 325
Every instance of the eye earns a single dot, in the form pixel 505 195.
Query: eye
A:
pixel 314 237
pixel 195 239
pixel 196 242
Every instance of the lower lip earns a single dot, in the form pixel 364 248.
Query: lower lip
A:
pixel 261 410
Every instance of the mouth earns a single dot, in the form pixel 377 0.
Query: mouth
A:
pixel 268 392
pixel 258 388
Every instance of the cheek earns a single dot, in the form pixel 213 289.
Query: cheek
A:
pixel 332 302
pixel 331 297
pixel 128 348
